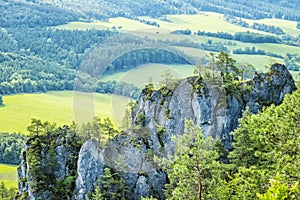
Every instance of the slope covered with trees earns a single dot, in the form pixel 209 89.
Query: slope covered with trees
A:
pixel 255 9
pixel 17 14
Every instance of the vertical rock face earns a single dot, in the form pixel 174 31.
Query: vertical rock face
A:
pixel 90 167
pixel 157 117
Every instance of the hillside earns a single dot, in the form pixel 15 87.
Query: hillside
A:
pixel 106 9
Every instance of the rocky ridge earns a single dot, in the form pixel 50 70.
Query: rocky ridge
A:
pixel 160 114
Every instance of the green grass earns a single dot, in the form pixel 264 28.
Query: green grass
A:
pixel 141 75
pixel 58 107
pixel 8 175
pixel 258 61
pixel 205 21
pixel 281 49
pixel 83 26
pixel 208 21
pixel 290 27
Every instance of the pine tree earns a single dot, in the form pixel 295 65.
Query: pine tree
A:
pixel 97 195
pixel 113 186
pixel 243 154
pixel 194 170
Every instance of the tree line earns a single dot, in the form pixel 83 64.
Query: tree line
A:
pixel 254 10
pixel 36 13
pixel 254 51
pixel 143 56
pixel 243 37
pixel 291 61
pixel 258 26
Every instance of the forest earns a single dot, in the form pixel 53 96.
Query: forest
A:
pixel 11 147
pixel 286 9
pixel 24 15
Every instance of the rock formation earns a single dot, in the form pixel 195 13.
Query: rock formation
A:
pixel 157 116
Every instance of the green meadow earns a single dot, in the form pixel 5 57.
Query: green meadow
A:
pixel 8 175
pixel 60 107
pixel 208 21
pixel 141 75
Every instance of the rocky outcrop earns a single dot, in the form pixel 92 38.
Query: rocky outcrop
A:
pixel 157 116
pixel 161 114
pixel 49 162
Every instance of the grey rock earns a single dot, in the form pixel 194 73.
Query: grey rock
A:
pixel 90 168
pixel 131 154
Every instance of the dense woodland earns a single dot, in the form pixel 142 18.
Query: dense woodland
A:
pixel 11 147
pixel 44 13
pixel 286 9
pixel 16 14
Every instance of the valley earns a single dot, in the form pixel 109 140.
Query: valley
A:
pixel 48 48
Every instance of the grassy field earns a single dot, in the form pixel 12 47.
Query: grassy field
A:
pixel 258 61
pixel 60 107
pixel 8 175
pixel 141 75
pixel 206 21
pixel 281 49
pixel 290 27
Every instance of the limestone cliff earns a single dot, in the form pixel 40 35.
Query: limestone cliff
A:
pixel 160 114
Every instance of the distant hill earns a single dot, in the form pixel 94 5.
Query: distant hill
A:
pixel 16 14
pixel 256 9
